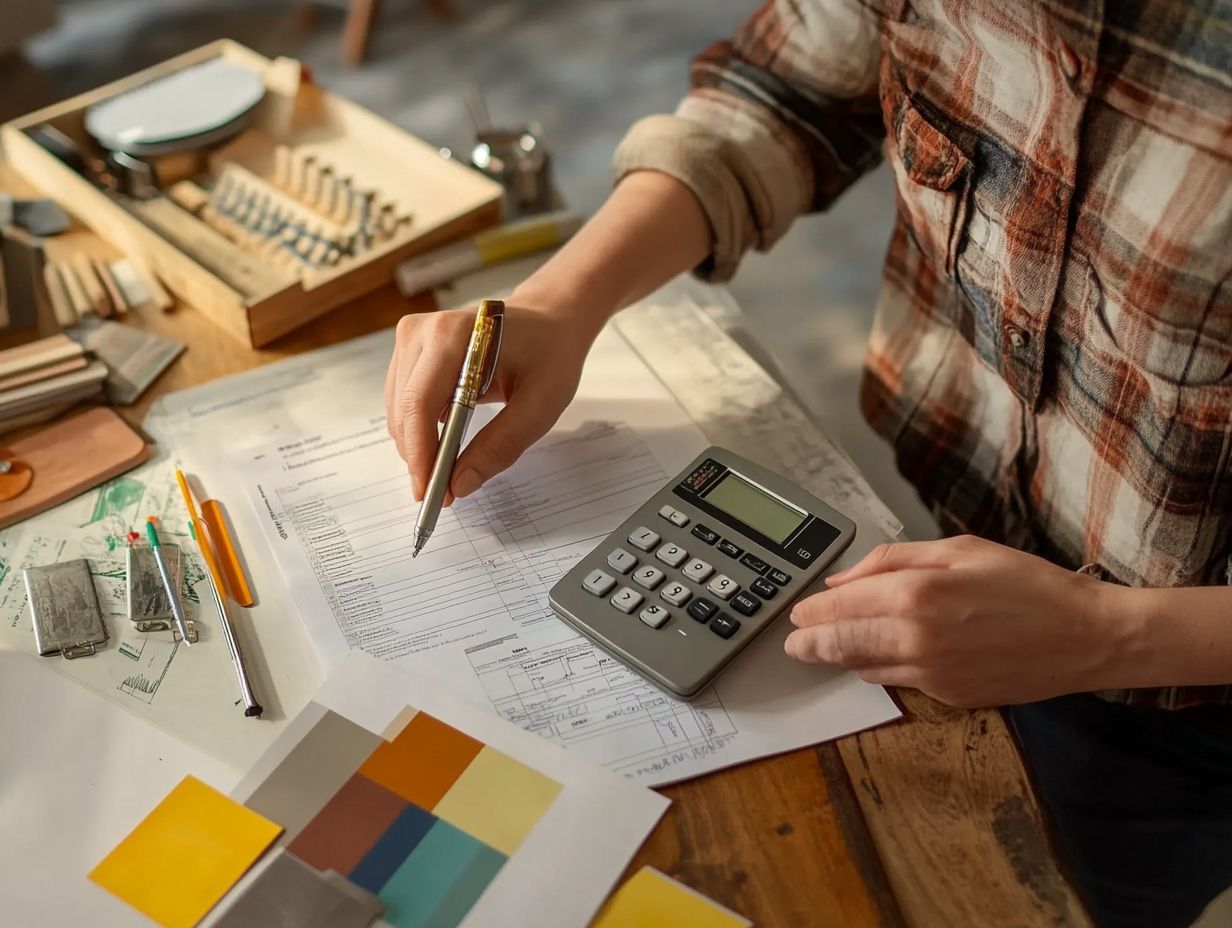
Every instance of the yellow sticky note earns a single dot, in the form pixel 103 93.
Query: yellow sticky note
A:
pixel 185 855
pixel 651 899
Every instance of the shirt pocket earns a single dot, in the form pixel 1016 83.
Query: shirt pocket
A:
pixel 1166 435
pixel 931 172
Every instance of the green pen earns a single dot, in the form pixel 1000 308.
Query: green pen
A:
pixel 181 623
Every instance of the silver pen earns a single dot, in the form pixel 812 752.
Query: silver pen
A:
pixel 473 381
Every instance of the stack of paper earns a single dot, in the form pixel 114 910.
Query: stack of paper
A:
pixel 43 378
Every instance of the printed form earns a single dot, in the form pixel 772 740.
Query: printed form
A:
pixel 336 509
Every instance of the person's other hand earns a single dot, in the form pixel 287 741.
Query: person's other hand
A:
pixel 537 374
pixel 969 622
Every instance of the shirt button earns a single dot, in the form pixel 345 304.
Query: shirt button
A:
pixel 1070 65
pixel 1018 338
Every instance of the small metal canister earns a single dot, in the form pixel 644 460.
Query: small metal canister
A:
pixel 518 161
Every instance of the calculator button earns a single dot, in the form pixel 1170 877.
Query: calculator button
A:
pixel 676 593
pixel 724 625
pixel 644 539
pixel 745 604
pixel 723 586
pixel 763 589
pixel 729 549
pixel 627 599
pixel 782 579
pixel 705 534
pixel 754 563
pixel 678 519
pixel 599 583
pixel 621 561
pixel 655 615
pixel 648 576
pixel 697 570
pixel 672 555
pixel 702 609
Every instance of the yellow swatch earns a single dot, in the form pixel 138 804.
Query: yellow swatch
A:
pixel 497 800
pixel 185 855
pixel 651 899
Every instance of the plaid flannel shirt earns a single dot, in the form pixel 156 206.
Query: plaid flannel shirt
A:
pixel 1052 351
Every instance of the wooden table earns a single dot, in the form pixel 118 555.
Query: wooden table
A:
pixel 926 822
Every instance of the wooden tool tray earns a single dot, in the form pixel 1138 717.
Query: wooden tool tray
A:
pixel 353 196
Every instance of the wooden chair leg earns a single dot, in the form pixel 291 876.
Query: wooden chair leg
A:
pixel 358 30
pixel 443 9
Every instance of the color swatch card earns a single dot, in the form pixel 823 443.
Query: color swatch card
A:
pixel 650 899
pixel 185 854
pixel 446 813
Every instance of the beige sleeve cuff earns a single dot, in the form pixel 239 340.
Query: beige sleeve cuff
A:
pixel 700 160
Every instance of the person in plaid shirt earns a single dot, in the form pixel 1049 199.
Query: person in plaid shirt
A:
pixel 1051 361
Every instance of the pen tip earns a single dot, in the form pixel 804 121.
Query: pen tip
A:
pixel 253 712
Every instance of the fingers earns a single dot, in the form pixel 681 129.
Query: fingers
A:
pixel 426 383
pixel 866 598
pixel 854 643
pixel 500 443
pixel 904 555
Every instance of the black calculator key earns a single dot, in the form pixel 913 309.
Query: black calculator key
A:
pixel 754 563
pixel 702 609
pixel 729 549
pixel 782 579
pixel 724 625
pixel 763 589
pixel 705 534
pixel 745 604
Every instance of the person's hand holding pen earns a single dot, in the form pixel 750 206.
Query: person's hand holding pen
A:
pixel 650 230
pixel 537 373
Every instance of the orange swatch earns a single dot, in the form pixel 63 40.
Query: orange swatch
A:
pixel 423 761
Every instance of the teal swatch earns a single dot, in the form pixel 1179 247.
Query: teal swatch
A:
pixel 468 888
pixel 445 874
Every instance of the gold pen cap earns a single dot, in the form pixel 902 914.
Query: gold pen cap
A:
pixel 481 353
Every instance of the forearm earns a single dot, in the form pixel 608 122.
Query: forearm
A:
pixel 1172 637
pixel 650 230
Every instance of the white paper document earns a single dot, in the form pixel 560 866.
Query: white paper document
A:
pixel 575 846
pixel 337 512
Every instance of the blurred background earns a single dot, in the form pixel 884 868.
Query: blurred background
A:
pixel 584 70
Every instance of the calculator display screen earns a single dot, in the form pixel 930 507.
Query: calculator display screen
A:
pixel 755 507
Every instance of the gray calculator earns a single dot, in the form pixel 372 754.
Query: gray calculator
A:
pixel 703 566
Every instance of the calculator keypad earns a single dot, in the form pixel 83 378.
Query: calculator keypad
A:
pixel 697 570
pixel 648 576
pixel 745 603
pixel 723 586
pixel 702 609
pixel 644 539
pixel 621 561
pixel 676 593
pixel 627 599
pixel 707 535
pixel 599 583
pixel 764 588
pixel 655 615
pixel 672 555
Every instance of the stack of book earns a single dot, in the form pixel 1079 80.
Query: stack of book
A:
pixel 42 379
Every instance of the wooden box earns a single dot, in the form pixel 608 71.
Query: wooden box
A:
pixel 214 268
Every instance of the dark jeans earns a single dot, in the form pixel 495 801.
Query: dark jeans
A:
pixel 1141 802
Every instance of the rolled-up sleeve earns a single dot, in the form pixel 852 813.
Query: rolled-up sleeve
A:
pixel 779 121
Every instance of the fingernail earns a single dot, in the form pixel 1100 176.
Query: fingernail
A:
pixel 417 489
pixel 466 483
pixel 795 619
pixel 789 645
